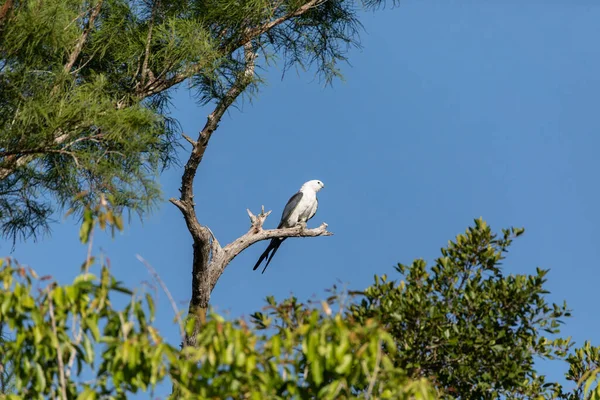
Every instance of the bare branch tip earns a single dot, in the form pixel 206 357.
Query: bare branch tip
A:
pixel 189 139
pixel 253 218
pixel 177 203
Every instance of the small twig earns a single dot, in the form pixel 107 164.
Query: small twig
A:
pixel 253 33
pixel 258 220
pixel 167 292
pixel 93 138
pixel 78 336
pixel 81 15
pixel 189 139
pixel 61 365
pixel 373 379
pixel 215 246
pixel 79 46
pixel 256 234
pixel 88 259
pixel 145 70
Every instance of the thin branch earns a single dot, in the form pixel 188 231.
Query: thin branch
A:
pixel 61 365
pixel 215 246
pixel 148 42
pixel 255 32
pixel 40 150
pixel 189 139
pixel 256 234
pixel 88 259
pixel 228 47
pixel 77 332
pixel 167 292
pixel 81 15
pixel 251 237
pixel 203 246
pixel 79 46
pixel 373 378
pixel 5 11
pixel 186 201
pixel 13 162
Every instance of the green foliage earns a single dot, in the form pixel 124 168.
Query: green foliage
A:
pixel 584 370
pixel 56 332
pixel 103 215
pixel 474 331
pixel 6 371
pixel 590 379
pixel 64 134
pixel 69 341
pixel 459 329
pixel 85 88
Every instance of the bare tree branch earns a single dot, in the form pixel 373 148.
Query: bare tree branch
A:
pixel 164 287
pixel 186 201
pixel 14 159
pixel 11 163
pixel 145 71
pixel 5 11
pixel 255 234
pixel 373 378
pixel 79 46
pixel 77 333
pixel 201 235
pixel 61 365
pixel 255 32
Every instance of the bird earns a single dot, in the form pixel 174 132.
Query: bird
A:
pixel 301 207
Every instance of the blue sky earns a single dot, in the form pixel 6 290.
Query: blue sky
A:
pixel 451 111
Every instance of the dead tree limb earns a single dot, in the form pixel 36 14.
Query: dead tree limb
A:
pixel 223 256
pixel 209 258
pixel 201 235
pixel 216 259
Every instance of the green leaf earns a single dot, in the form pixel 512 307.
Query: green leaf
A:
pixel 344 366
pixel 86 226
pixel 40 381
pixel 150 303
pixel 89 349
pixel 316 372
pixel 87 394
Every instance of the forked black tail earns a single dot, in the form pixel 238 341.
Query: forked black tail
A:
pixel 272 248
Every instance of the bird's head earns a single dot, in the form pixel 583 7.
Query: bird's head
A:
pixel 314 185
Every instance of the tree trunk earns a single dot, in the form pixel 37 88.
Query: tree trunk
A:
pixel 200 291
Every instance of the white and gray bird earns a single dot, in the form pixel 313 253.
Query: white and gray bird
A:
pixel 299 209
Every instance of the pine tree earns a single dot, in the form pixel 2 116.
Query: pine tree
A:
pixel 85 88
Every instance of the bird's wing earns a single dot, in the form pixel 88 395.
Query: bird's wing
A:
pixel 289 208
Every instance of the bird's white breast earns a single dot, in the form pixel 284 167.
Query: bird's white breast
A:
pixel 305 208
